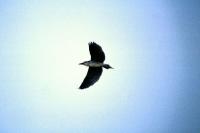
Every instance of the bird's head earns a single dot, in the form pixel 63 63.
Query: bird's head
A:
pixel 107 66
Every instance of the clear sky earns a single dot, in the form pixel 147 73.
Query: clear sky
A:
pixel 153 45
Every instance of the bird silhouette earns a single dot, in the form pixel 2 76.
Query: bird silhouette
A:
pixel 95 65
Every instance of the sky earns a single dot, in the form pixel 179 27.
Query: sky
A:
pixel 152 45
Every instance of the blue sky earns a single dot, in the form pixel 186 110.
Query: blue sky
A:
pixel 153 46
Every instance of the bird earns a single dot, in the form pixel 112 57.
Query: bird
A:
pixel 96 65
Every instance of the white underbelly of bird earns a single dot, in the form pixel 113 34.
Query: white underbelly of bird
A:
pixel 94 64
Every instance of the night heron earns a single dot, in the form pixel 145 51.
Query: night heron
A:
pixel 95 65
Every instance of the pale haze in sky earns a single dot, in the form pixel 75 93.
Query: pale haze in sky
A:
pixel 152 45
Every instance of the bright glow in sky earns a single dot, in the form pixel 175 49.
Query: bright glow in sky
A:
pixel 151 44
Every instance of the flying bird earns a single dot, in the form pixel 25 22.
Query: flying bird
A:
pixel 95 65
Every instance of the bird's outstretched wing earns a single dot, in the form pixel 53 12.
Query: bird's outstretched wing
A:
pixel 96 52
pixel 92 76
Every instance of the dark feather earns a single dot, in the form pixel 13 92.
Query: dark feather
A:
pixel 96 52
pixel 92 76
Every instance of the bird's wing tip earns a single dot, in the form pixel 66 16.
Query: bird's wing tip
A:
pixel 92 42
pixel 81 88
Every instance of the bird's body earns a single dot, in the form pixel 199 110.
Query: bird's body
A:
pixel 95 65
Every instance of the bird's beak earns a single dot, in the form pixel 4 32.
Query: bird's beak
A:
pixel 80 63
